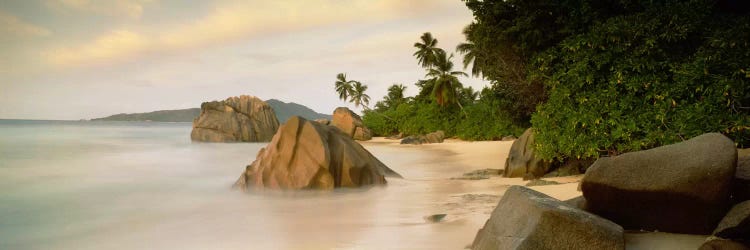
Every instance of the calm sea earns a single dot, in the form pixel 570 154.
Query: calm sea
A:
pixel 145 185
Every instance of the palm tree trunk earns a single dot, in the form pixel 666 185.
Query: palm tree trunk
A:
pixel 462 109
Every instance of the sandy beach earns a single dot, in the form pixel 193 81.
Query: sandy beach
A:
pixel 479 197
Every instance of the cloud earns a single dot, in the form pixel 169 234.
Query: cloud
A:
pixel 10 24
pixel 115 44
pixel 115 8
pixel 231 21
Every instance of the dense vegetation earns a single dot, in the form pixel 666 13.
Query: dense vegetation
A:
pixel 591 77
pixel 443 103
pixel 620 75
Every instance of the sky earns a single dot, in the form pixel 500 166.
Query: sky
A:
pixel 83 59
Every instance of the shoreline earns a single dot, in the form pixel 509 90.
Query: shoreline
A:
pixel 478 198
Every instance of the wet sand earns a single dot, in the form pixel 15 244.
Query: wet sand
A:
pixel 471 202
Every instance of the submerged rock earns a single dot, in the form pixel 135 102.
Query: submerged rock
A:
pixel 309 155
pixel 527 219
pixel 540 182
pixel 679 188
pixel 236 119
pixel 480 174
pixel 435 218
pixel 523 160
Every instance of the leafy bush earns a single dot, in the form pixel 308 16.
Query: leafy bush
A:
pixel 636 81
pixel 482 121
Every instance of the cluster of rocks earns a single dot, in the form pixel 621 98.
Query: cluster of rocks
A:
pixel 250 119
pixel 434 137
pixel 236 119
pixel 309 155
pixel 688 187
pixel 351 124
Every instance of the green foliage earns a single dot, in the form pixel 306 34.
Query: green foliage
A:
pixel 486 121
pixel 482 122
pixel 660 73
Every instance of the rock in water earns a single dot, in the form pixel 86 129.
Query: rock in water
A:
pixel 435 218
pixel 679 188
pixel 309 155
pixel 527 219
pixel 236 119
pixel 348 122
pixel 522 158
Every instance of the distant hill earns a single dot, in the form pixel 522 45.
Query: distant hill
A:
pixel 179 115
pixel 282 109
pixel 285 110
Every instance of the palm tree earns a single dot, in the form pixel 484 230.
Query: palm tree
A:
pixel 358 96
pixel 445 81
pixel 396 92
pixel 427 50
pixel 469 50
pixel 343 87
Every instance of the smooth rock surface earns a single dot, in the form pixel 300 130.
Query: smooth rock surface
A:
pixel 527 219
pixel 522 158
pixel 236 119
pixel 309 155
pixel 679 188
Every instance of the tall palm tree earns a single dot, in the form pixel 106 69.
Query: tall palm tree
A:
pixel 469 50
pixel 445 81
pixel 343 86
pixel 427 50
pixel 358 96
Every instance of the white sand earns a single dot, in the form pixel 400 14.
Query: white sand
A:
pixel 455 157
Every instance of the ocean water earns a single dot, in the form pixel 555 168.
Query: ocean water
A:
pixel 131 185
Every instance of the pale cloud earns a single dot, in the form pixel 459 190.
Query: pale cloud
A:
pixel 10 24
pixel 115 44
pixel 231 21
pixel 115 8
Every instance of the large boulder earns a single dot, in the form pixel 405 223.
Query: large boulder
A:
pixel 308 155
pixel 527 219
pixel 523 160
pixel 236 119
pixel 679 188
pixel 348 122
